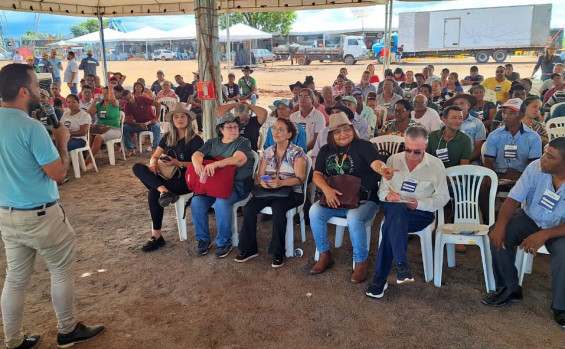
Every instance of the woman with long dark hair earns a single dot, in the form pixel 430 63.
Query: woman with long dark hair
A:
pixel 546 62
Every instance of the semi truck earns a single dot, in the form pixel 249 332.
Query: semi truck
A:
pixel 349 49
pixel 495 32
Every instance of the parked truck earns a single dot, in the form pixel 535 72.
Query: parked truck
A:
pixel 480 32
pixel 348 49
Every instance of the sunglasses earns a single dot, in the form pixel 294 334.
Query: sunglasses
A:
pixel 416 152
pixel 398 111
pixel 500 71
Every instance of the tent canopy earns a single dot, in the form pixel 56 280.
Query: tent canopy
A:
pixel 123 8
pixel 241 31
pixel 110 35
pixel 145 34
pixel 183 33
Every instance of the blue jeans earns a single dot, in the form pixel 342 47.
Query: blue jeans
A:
pixel 57 79
pixel 74 89
pixel 394 241
pixel 356 219
pixel 199 210
pixel 129 129
pixel 75 143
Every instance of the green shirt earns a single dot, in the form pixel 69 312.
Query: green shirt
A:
pixel 246 85
pixel 112 118
pixel 459 148
pixel 433 106
pixel 369 116
pixel 215 147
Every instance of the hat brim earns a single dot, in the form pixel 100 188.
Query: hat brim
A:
pixel 191 115
pixel 471 99
pixel 249 70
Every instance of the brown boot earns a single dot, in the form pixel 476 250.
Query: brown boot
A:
pixel 360 272
pixel 325 261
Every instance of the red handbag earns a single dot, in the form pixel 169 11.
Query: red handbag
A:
pixel 220 185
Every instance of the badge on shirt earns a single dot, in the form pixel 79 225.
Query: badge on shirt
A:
pixel 498 88
pixel 549 200
pixel 102 114
pixel 442 154
pixel 409 185
pixel 510 151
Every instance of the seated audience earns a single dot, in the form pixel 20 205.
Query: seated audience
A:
pixel 308 117
pixel 548 84
pixel 77 121
pixel 233 89
pixel 178 145
pixel 484 109
pixel 285 164
pixel 56 93
pixel 388 98
pixel 539 223
pixel 366 86
pixel 557 93
pixel 409 83
pixel 346 153
pixel 473 77
pixel 250 125
pixel 86 99
pixel 510 74
pixel 139 88
pixel 449 144
pixel 517 91
pixel 533 106
pixel 425 116
pixel 499 84
pixel 166 91
pixel 282 110
pixel 184 90
pixel 365 112
pixel 235 150
pixel 421 184
pixel 401 121
pixel 140 117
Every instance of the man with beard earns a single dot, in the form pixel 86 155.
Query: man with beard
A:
pixel 31 219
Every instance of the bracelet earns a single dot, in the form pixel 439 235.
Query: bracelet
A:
pixel 383 167
pixel 181 164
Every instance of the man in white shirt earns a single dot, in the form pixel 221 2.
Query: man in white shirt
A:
pixel 71 73
pixel 87 100
pixel 424 115
pixel 409 201
pixel 308 117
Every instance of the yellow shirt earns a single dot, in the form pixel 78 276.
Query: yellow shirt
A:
pixel 500 88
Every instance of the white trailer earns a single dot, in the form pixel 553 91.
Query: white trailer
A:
pixel 481 32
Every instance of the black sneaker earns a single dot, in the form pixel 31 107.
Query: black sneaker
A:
pixel 165 199
pixel 403 273
pixel 153 243
pixel 30 342
pixel 377 287
pixel 223 251
pixel 81 333
pixel 278 261
pixel 245 256
pixel 559 316
pixel 202 248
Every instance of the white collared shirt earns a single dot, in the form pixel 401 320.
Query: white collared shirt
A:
pixel 312 124
pixel 431 189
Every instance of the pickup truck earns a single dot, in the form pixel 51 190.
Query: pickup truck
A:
pixel 349 50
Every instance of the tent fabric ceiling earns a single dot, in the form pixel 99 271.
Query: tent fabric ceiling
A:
pixel 241 31
pixel 123 8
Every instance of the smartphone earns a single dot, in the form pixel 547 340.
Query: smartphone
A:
pixel 266 178
pixel 165 158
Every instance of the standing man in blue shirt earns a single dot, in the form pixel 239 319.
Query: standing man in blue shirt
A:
pixel 88 64
pixel 541 222
pixel 57 66
pixel 31 219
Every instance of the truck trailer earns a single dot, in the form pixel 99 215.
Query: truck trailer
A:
pixel 495 32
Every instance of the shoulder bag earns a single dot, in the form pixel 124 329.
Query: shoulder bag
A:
pixel 348 186
pixel 276 193
pixel 220 185
pixel 168 171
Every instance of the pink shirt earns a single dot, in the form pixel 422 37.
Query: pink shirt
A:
pixel 170 94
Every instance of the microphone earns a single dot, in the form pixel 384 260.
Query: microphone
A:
pixel 50 112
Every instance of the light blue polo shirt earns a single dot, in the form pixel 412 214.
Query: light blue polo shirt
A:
pixel 55 62
pixel 527 141
pixel 24 147
pixel 531 187
pixel 475 129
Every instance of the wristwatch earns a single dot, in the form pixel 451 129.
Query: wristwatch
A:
pixel 181 164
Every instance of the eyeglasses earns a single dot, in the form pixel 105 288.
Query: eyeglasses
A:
pixel 418 102
pixel 398 111
pixel 339 130
pixel 278 130
pixel 231 127
pixel 416 152
pixel 500 71
pixel 303 96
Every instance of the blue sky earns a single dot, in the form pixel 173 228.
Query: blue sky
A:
pixel 20 22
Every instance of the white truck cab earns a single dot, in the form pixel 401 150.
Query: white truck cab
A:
pixel 354 49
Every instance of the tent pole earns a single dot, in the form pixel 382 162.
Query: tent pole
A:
pixel 389 58
pixel 385 38
pixel 103 46
pixel 228 54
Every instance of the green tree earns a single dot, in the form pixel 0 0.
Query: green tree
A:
pixel 86 27
pixel 272 22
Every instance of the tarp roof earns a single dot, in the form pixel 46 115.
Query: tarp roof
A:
pixel 186 33
pixel 110 35
pixel 241 31
pixel 123 8
pixel 145 34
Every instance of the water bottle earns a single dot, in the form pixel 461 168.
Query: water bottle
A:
pixel 298 252
pixel 203 177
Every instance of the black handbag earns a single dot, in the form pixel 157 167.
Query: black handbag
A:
pixel 279 193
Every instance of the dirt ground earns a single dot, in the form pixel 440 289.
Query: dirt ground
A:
pixel 172 299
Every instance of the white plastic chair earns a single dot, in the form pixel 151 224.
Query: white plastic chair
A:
pixel 340 225
pixel 140 137
pixel 425 245
pixel 78 160
pixel 555 122
pixel 181 214
pixel 241 203
pixel 110 143
pixel 466 183
pixel 555 132
pixel 388 143
pixel 289 237
pixel 524 262
pixel 167 103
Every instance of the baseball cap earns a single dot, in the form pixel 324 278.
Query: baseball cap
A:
pixel 113 78
pixel 281 101
pixel 160 71
pixel 349 99
pixel 555 74
pixel 515 104
pixel 357 91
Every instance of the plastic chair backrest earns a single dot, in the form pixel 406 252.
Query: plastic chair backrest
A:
pixel 255 163
pixel 122 120
pixel 483 150
pixel 555 121
pixel 389 143
pixel 556 132
pixel 465 182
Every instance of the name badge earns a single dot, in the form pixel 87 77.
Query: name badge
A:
pixel 409 185
pixel 510 151
pixel 549 200
pixel 479 114
pixel 498 88
pixel 103 114
pixel 442 154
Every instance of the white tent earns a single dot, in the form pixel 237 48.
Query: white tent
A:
pixel 110 35
pixel 183 33
pixel 241 31
pixel 146 34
